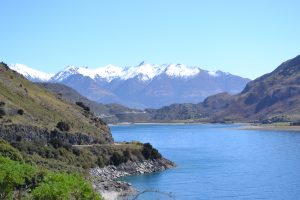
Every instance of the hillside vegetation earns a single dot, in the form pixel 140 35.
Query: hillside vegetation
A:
pixel 49 144
pixel 26 103
pixel 110 113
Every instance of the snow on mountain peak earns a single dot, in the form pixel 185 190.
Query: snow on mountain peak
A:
pixel 30 73
pixel 179 70
pixel 108 73
pixel 218 73
pixel 213 73
pixel 144 72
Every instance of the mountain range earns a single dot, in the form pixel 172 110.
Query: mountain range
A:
pixel 273 97
pixel 142 86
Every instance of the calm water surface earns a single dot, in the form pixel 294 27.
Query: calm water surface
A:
pixel 219 162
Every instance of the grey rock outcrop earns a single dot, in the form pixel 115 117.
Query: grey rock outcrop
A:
pixel 104 179
pixel 14 132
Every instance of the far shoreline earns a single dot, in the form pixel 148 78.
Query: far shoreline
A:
pixel 163 123
pixel 270 127
pixel 244 125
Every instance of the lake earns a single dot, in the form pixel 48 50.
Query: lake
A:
pixel 218 162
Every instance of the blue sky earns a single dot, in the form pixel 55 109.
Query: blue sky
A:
pixel 247 38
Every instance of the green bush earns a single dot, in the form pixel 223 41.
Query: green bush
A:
pixel 63 126
pixel 149 152
pixel 20 111
pixel 14 176
pixel 7 150
pixel 56 143
pixel 2 112
pixel 17 179
pixel 64 186
pixel 31 148
pixel 117 158
pixel 81 104
pixel 101 161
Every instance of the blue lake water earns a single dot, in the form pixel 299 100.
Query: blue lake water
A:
pixel 219 162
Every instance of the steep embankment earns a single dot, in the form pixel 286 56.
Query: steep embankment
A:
pixel 270 98
pixel 30 105
pixel 43 129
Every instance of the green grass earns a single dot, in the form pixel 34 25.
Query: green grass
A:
pixel 41 108
pixel 19 180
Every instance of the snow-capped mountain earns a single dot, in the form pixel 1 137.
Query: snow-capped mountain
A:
pixel 144 71
pixel 31 74
pixel 142 86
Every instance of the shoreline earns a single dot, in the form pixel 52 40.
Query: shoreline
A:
pixel 270 127
pixel 244 125
pixel 105 180
pixel 162 123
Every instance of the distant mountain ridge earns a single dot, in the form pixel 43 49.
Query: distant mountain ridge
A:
pixel 145 85
pixel 31 74
pixel 110 113
pixel 273 97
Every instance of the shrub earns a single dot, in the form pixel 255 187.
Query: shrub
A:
pixel 7 150
pixel 76 151
pixel 295 124
pixel 136 143
pixel 4 65
pixel 101 161
pixel 20 111
pixel 149 152
pixel 127 155
pixel 64 186
pixel 81 104
pixel 2 112
pixel 2 103
pixel 14 175
pixel 56 143
pixel 63 126
pixel 116 159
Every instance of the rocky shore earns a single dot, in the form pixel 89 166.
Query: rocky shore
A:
pixel 105 179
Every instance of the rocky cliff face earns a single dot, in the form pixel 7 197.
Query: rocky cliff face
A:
pixel 14 132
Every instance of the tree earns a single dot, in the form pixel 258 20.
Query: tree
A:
pixel 13 176
pixel 81 104
pixel 64 186
pixel 149 152
pixel 2 112
pixel 117 159
pixel 63 126
pixel 20 111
